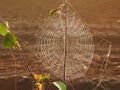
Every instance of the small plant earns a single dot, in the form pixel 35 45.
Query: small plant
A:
pixel 10 40
pixel 39 80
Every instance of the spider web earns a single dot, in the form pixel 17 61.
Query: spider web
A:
pixel 84 48
pixel 79 46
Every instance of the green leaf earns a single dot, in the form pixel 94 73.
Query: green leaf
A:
pixel 10 40
pixel 4 28
pixel 60 85
pixel 44 77
pixel 52 12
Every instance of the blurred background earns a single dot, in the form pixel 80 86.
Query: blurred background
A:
pixel 26 16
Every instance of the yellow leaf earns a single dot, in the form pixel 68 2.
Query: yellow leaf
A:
pixel 38 86
pixel 52 12
pixel 17 46
pixel 37 77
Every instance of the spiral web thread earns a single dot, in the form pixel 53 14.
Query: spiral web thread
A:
pixel 65 46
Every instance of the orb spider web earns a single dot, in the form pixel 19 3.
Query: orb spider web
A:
pixel 65 45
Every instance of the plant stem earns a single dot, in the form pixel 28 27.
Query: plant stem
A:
pixel 65 41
